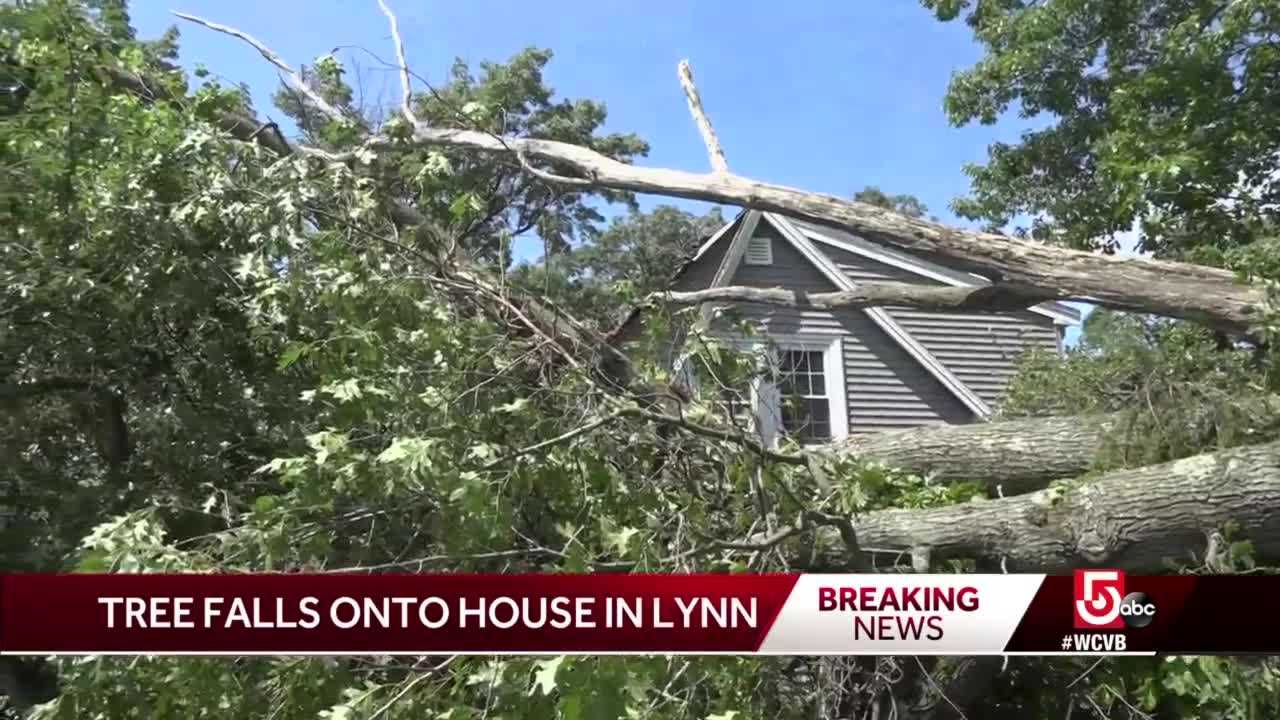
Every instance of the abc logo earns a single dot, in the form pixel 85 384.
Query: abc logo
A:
pixel 1137 610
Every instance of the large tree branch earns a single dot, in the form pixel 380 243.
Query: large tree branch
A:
pixel 1012 457
pixel 1201 294
pixel 1138 520
pixel 870 294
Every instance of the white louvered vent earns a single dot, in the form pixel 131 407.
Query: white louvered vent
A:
pixel 759 251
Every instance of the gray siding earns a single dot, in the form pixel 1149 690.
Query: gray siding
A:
pixel 886 389
pixel 700 274
pixel 982 349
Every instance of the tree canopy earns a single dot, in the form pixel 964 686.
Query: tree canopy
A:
pixel 1158 115
pixel 905 204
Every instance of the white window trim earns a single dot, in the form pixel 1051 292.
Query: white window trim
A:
pixel 764 396
pixel 769 410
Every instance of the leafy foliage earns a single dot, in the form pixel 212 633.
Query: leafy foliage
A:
pixel 303 388
pixel 485 202
pixel 906 204
pixel 1177 390
pixel 1155 116
pixel 1161 114
pixel 635 255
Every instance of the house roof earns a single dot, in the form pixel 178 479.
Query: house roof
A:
pixel 802 235
pixel 879 316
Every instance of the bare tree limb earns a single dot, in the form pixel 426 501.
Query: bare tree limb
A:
pixel 294 78
pixel 871 294
pixel 406 88
pixel 715 153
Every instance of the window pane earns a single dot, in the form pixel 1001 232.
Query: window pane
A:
pixel 801 383
pixel 807 418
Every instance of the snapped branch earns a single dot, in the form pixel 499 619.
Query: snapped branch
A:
pixel 872 294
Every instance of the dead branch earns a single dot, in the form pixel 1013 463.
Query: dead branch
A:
pixel 871 294
pixel 714 152
pixel 294 77
pixel 406 88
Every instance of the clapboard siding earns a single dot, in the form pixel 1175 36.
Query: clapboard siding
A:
pixel 886 389
pixel 981 349
pixel 699 274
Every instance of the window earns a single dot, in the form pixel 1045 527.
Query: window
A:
pixel 802 390
pixel 759 251
pixel 799 392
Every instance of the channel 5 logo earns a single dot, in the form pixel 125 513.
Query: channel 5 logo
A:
pixel 1101 603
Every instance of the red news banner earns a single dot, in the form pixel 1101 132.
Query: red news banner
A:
pixel 1092 612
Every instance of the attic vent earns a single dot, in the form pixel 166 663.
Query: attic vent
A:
pixel 759 251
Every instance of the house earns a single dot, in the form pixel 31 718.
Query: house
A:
pixel 850 371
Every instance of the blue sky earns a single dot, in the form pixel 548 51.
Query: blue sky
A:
pixel 825 95
pixel 822 95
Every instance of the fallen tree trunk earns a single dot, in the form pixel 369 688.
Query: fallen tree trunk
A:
pixel 1036 272
pixel 1138 520
pixel 1012 457
pixel 1009 456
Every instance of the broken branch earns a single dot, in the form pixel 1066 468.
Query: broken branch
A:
pixel 715 153
pixel 406 88
pixel 873 294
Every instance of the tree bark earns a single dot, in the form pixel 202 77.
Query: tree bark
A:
pixel 1009 456
pixel 1012 457
pixel 864 295
pixel 1137 520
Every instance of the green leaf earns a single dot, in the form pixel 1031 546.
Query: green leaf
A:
pixel 618 539
pixel 544 677
pixel 291 354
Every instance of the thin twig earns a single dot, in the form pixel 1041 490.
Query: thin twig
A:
pixel 942 694
pixel 564 437
pixel 409 686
